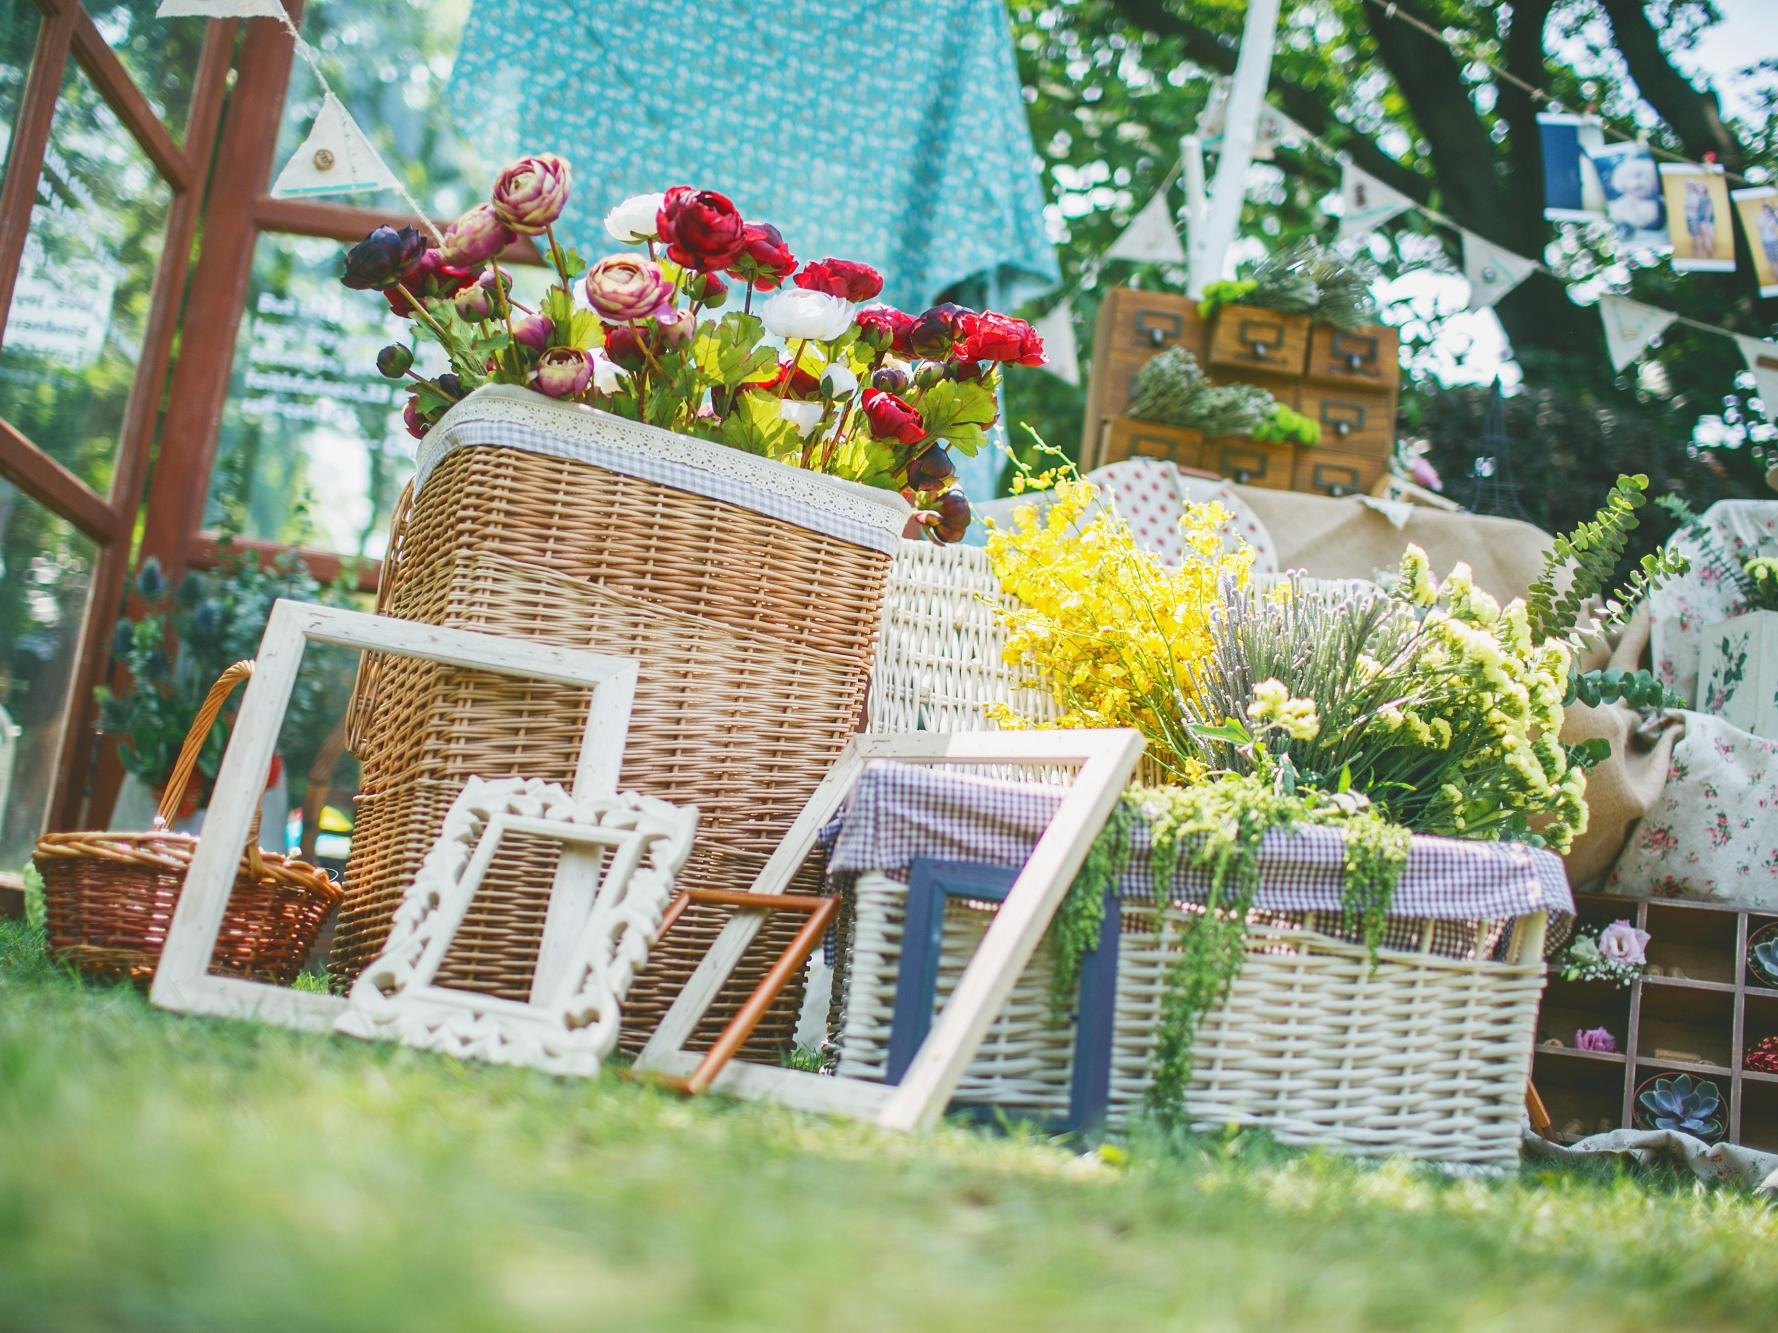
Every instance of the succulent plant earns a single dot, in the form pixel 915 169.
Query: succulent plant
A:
pixel 1689 1105
pixel 1763 958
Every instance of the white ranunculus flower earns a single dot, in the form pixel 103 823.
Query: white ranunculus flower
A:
pixel 804 416
pixel 632 221
pixel 838 380
pixel 797 312
pixel 608 376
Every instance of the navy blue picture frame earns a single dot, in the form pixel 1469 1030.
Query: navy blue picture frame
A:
pixel 931 883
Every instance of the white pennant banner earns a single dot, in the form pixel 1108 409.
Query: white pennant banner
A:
pixel 1762 360
pixel 1273 129
pixel 336 158
pixel 1057 331
pixel 1492 272
pixel 1366 202
pixel 1152 236
pixel 1630 326
pixel 219 9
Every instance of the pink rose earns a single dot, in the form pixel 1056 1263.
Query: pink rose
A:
pixel 624 288
pixel 562 372
pixel 1621 942
pixel 531 193
pixel 475 238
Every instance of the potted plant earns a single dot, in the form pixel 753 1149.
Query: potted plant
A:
pixel 699 449
pixel 1681 1103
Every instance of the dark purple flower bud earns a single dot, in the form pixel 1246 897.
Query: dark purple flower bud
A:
pixel 967 370
pixel 930 470
pixel 383 258
pixel 890 379
pixel 450 385
pixel 412 418
pixel 935 331
pixel 395 360
pixel 953 516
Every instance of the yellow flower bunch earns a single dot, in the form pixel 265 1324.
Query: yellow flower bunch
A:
pixel 1108 628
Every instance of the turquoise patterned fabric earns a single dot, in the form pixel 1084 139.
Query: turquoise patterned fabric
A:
pixel 888 131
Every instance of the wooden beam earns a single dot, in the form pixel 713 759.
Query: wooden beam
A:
pixel 94 55
pixel 54 486
pixel 81 745
pixel 206 551
pixel 350 223
pixel 30 136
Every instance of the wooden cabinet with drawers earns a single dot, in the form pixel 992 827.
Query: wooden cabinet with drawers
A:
pixel 1356 420
pixel 1368 358
pixel 1246 339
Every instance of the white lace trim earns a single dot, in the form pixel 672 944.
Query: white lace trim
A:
pixel 512 417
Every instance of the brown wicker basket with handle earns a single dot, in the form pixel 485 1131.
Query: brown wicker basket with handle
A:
pixel 109 897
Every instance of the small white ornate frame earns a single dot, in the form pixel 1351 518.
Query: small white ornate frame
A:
pixel 639 844
pixel 182 980
pixel 1107 760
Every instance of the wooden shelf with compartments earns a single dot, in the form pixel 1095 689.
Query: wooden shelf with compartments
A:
pixel 1347 382
pixel 1698 1010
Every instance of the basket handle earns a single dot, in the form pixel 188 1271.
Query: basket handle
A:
pixel 370 665
pixel 187 763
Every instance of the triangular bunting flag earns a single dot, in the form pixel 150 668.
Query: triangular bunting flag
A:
pixel 1367 202
pixel 1152 236
pixel 1492 272
pixel 1630 326
pixel 1762 360
pixel 219 9
pixel 336 158
pixel 1057 331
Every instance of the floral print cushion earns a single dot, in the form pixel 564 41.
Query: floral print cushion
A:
pixel 1682 609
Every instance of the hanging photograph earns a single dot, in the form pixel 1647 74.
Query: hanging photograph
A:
pixel 1632 186
pixel 1697 199
pixel 1571 191
pixel 1758 208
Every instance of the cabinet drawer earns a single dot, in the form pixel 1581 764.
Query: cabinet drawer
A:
pixel 1337 472
pixel 1250 462
pixel 1125 437
pixel 1140 324
pixel 1351 421
pixel 1245 338
pixel 1369 356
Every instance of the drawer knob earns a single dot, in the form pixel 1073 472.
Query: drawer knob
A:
pixel 1353 361
pixel 1342 428
pixel 1155 336
pixel 1243 476
pixel 1339 490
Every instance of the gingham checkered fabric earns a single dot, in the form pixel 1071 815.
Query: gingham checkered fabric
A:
pixel 465 429
pixel 901 811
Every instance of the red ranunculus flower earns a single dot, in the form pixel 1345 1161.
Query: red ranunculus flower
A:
pixel 702 229
pixel 430 280
pixel 935 331
pixel 992 337
pixel 841 277
pixel 789 382
pixel 886 327
pixel 892 418
pixel 765 261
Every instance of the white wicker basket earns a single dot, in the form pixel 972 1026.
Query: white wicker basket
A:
pixel 1425 1055
pixel 1421 1056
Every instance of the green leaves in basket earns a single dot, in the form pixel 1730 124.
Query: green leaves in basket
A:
pixel 959 412
pixel 756 427
pixel 728 351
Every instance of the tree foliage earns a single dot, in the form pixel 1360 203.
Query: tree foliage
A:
pixel 1113 85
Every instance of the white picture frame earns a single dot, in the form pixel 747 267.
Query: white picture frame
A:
pixel 182 980
pixel 1107 760
pixel 636 845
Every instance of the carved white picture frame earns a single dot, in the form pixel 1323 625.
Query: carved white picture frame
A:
pixel 182 980
pixel 1106 762
pixel 636 846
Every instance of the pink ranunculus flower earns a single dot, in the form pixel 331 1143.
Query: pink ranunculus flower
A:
pixel 1621 942
pixel 1594 1039
pixel 534 331
pixel 531 193
pixel 562 372
pixel 623 288
pixel 475 238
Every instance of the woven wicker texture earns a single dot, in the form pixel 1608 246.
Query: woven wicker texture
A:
pixel 109 897
pixel 1423 1056
pixel 755 638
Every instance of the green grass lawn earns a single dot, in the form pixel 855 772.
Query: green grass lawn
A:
pixel 163 1172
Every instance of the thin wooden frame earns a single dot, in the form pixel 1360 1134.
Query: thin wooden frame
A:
pixel 637 846
pixel 182 981
pixel 1107 761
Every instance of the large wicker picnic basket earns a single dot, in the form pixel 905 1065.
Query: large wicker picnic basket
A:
pixel 750 592
pixel 109 897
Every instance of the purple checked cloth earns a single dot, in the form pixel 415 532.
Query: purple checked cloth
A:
pixel 901 811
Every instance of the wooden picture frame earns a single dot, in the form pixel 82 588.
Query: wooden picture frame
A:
pixel 182 980
pixel 1107 760
pixel 633 848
